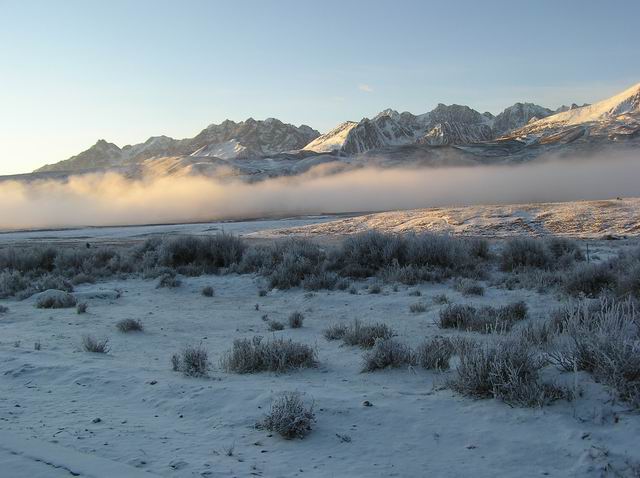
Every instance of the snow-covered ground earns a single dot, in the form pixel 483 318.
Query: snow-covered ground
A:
pixel 63 409
pixel 619 217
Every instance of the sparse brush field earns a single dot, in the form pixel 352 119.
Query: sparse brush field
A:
pixel 379 356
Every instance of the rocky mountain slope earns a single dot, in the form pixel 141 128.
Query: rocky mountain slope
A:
pixel 228 140
pixel 448 135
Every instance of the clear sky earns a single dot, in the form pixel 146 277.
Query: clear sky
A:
pixel 74 71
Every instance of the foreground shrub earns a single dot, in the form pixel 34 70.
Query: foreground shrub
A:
pixel 524 252
pixel 486 319
pixel 289 417
pixel 258 355
pixel 193 361
pixel 507 371
pixel 387 353
pixel 365 335
pixel 91 344
pixel 435 353
pixel 81 308
pixel 589 280
pixel 209 253
pixel 295 320
pixel 335 331
pixel 603 338
pixel 55 299
pixel 207 291
pixel 468 287
pixel 168 280
pixel 3 309
pixel 417 308
pixel 275 325
pixel 129 325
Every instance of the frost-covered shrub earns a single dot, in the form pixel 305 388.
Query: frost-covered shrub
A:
pixel 486 319
pixel 81 308
pixel 258 355
pixel 524 252
pixel 417 308
pixel 295 320
pixel 169 280
pixel 192 361
pixel 275 325
pixel 289 417
pixel 3 309
pixel 589 280
pixel 129 325
pixel 335 331
pixel 55 299
pixel 207 291
pixel 387 353
pixel 507 371
pixel 435 353
pixel 320 280
pixel 365 335
pixel 91 344
pixel 603 338
pixel 207 252
pixel 468 287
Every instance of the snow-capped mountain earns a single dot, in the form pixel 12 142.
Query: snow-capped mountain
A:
pixel 615 118
pixel 447 135
pixel 517 116
pixel 228 140
pixel 444 125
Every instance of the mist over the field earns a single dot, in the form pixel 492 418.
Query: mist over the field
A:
pixel 110 199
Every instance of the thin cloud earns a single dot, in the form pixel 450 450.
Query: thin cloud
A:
pixel 366 88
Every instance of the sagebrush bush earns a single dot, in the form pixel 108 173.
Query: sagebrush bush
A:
pixel 365 335
pixel 192 361
pixel 440 299
pixel 589 280
pixel 335 331
pixel 468 287
pixel 207 291
pixel 275 325
pixel 55 299
pixel 81 308
pixel 435 353
pixel 507 371
pixel 320 280
pixel 524 252
pixel 258 355
pixel 129 325
pixel 486 319
pixel 295 320
pixel 206 252
pixel 168 280
pixel 417 308
pixel 387 353
pixel 289 417
pixel 91 344
pixel 603 338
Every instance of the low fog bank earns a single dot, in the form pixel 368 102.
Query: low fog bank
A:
pixel 110 199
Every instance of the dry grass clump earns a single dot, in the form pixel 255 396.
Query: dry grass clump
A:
pixel 258 355
pixel 81 308
pixel 91 344
pixel 168 280
pixel 440 299
pixel 129 325
pixel 375 289
pixel 486 319
pixel 335 331
pixel 207 291
pixel 289 417
pixel 295 320
pixel 417 308
pixel 365 335
pixel 589 280
pixel 507 371
pixel 192 361
pixel 435 353
pixel 387 353
pixel 275 325
pixel 603 339
pixel 468 287
pixel 55 299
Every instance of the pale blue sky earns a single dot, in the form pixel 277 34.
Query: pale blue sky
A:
pixel 74 71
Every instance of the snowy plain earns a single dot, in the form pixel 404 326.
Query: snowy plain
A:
pixel 67 412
